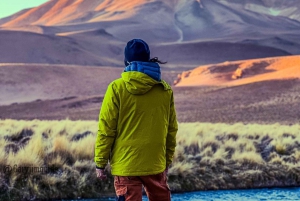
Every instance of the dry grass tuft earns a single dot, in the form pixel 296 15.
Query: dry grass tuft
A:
pixel 54 159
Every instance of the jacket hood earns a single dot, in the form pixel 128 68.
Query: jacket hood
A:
pixel 140 83
pixel 150 68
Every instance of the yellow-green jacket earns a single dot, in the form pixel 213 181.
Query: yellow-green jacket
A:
pixel 137 126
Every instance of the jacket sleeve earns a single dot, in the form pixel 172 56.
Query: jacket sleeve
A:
pixel 172 131
pixel 108 119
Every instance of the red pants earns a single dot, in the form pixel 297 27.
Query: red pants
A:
pixel 130 188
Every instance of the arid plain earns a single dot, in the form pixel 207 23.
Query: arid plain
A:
pixel 250 91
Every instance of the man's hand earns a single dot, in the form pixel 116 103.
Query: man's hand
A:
pixel 166 174
pixel 101 174
pixel 166 171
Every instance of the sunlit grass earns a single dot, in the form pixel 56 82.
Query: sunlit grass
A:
pixel 207 156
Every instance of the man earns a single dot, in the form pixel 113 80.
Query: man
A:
pixel 137 128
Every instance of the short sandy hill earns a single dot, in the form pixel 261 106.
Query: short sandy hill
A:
pixel 49 49
pixel 242 72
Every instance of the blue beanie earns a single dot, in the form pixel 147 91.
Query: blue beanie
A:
pixel 136 50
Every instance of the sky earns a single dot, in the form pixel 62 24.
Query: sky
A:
pixel 9 7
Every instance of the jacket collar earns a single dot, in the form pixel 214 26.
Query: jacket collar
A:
pixel 151 69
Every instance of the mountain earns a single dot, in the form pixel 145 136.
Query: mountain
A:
pixel 284 8
pixel 186 33
pixel 38 48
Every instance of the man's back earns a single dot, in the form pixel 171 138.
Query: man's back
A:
pixel 137 128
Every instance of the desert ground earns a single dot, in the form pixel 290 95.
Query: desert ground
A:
pixel 249 91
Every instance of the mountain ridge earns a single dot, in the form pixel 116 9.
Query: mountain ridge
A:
pixel 201 23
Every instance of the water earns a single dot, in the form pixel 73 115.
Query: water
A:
pixel 282 194
pixel 241 195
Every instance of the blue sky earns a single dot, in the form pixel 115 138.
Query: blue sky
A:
pixel 9 7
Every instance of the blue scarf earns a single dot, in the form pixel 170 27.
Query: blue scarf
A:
pixel 151 69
